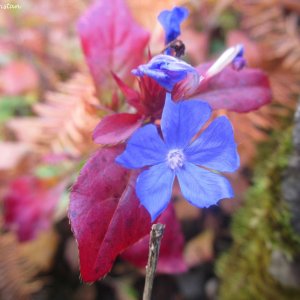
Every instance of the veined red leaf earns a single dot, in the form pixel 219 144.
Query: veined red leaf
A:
pixel 111 41
pixel 105 214
pixel 239 91
pixel 116 128
pixel 171 250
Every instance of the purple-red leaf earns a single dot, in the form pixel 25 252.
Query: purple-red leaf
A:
pixel 111 41
pixel 171 250
pixel 132 97
pixel 149 101
pixel 116 128
pixel 239 91
pixel 29 206
pixel 152 96
pixel 105 214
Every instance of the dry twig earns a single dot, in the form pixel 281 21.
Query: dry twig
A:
pixel 156 235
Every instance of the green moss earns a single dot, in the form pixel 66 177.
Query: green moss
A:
pixel 261 226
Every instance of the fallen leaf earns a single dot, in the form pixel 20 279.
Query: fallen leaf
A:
pixel 199 249
pixel 40 251
pixel 29 206
pixel 18 77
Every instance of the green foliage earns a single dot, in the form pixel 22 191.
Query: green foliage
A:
pixel 228 20
pixel 48 171
pixel 11 106
pixel 261 226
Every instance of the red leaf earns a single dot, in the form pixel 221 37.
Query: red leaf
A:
pixel 149 101
pixel 111 40
pixel 18 77
pixel 29 206
pixel 239 91
pixel 132 97
pixel 116 128
pixel 105 214
pixel 171 251
pixel 152 96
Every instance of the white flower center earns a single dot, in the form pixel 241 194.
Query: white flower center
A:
pixel 175 159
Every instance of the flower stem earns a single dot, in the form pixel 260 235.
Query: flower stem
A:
pixel 156 235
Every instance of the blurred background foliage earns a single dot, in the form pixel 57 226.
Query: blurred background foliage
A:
pixel 49 108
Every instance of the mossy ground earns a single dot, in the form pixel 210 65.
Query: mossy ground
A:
pixel 259 227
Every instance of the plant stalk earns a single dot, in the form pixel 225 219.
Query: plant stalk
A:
pixel 156 235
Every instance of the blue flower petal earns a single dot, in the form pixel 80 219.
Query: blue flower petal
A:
pixel 166 70
pixel 144 148
pixel 181 121
pixel 171 20
pixel 215 148
pixel 202 188
pixel 239 62
pixel 154 188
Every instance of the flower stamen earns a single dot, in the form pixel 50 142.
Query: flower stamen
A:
pixel 175 159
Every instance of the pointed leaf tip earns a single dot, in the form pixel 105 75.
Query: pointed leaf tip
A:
pixel 111 41
pixel 116 128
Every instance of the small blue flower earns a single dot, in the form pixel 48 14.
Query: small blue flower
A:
pixel 176 154
pixel 166 70
pixel 171 20
pixel 239 61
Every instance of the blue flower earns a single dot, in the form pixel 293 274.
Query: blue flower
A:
pixel 166 70
pixel 177 154
pixel 239 61
pixel 171 20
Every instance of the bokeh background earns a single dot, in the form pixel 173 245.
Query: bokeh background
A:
pixel 245 248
